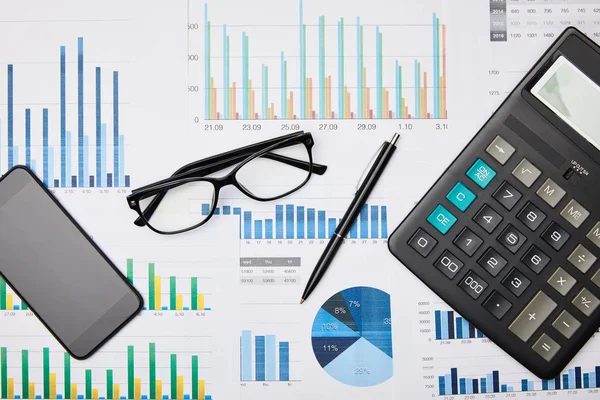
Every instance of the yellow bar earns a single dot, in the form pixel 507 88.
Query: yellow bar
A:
pixel 157 294
pixel 201 390
pixel 137 388
pixel 52 385
pixel 9 301
pixel 116 391
pixel 200 302
pixel 11 388
pixel 158 389
pixel 179 302
pixel 73 390
pixel 31 390
pixel 180 387
pixel 94 393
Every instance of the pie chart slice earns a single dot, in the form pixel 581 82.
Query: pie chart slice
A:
pixel 352 336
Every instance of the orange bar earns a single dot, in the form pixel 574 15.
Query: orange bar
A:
pixel 252 113
pixel 444 111
pixel 233 101
pixel 385 103
pixel 291 106
pixel 346 103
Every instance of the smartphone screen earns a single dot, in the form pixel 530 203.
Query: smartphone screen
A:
pixel 55 267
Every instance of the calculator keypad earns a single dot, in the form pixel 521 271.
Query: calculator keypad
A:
pixel 551 193
pixel 594 234
pixel 488 218
pixel 586 302
pixel 561 281
pixel 531 216
pixel 526 172
pixel 500 149
pixel 468 241
pixel 555 236
pixel 497 305
pixel 582 258
pixel 507 195
pixel 515 238
pixel 532 316
pixel 512 238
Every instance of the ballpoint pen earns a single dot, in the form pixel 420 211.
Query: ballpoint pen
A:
pixel 360 197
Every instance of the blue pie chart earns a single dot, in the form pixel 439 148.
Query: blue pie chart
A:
pixel 352 336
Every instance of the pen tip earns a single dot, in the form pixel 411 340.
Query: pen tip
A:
pixel 395 138
pixel 301 301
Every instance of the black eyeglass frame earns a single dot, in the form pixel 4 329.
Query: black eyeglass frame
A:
pixel 198 170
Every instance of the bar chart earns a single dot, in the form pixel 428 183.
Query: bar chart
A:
pixel 449 325
pixel 300 222
pixel 331 68
pixel 573 378
pixel 264 358
pixel 79 156
pixel 9 301
pixel 452 384
pixel 173 298
pixel 58 380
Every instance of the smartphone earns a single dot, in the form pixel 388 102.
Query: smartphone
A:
pixel 57 269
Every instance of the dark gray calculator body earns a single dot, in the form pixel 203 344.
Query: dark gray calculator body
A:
pixel 509 235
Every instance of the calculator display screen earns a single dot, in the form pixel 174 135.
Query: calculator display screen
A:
pixel 572 96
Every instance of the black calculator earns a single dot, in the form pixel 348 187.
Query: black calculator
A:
pixel 509 235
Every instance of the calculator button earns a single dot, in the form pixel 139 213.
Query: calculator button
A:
pixel 497 305
pixel 561 281
pixel 422 242
pixel 492 261
pixel 566 324
pixel 551 193
pixel 461 197
pixel 546 347
pixel 526 172
pixel 532 316
pixel 574 213
pixel 481 173
pixel 507 195
pixel 487 218
pixel 582 258
pixel 516 282
pixel 535 259
pixel 468 242
pixel 512 239
pixel 531 216
pixel 594 234
pixel 441 219
pixel 500 149
pixel 586 302
pixel 473 285
pixel 449 264
pixel 596 278
pixel 555 236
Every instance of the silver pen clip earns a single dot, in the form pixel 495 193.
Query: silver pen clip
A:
pixel 368 167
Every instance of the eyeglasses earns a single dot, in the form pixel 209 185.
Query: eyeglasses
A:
pixel 267 171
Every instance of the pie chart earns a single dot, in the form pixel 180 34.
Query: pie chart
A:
pixel 352 336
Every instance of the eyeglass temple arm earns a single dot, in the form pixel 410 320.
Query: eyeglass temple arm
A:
pixel 318 169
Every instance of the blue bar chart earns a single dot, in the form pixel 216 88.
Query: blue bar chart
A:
pixel 299 222
pixel 449 325
pixel 63 155
pixel 573 378
pixel 264 358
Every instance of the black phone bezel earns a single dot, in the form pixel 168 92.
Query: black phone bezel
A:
pixel 139 297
